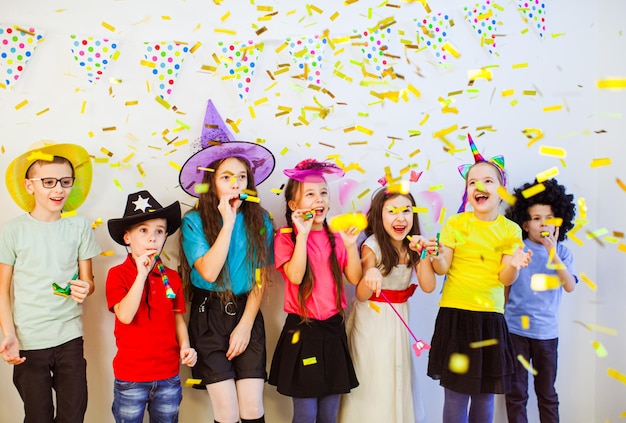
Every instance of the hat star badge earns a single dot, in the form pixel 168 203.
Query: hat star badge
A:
pixel 142 204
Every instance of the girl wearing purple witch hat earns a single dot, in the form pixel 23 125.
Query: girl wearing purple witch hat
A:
pixel 227 244
pixel 472 354
pixel 312 363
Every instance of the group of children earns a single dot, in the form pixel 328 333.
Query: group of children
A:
pixel 355 371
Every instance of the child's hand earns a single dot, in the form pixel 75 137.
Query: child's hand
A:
pixel 302 220
pixel 145 263
pixel 520 258
pixel 350 236
pixel 228 205
pixel 373 279
pixel 239 340
pixel 79 290
pixel 10 349
pixel 550 241
pixel 432 246
pixel 188 356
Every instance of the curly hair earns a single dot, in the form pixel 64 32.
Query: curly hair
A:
pixel 554 195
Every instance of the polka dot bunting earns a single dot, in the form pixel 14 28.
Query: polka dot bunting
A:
pixel 375 45
pixel 309 52
pixel 433 32
pixel 93 55
pixel 534 10
pixel 168 58
pixel 239 60
pixel 483 18
pixel 16 49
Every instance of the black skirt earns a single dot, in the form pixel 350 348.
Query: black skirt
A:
pixel 312 358
pixel 490 366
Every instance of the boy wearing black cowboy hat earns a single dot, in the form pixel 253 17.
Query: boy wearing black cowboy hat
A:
pixel 148 302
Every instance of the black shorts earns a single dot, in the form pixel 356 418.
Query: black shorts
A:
pixel 210 326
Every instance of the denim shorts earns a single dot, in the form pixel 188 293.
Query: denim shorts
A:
pixel 162 397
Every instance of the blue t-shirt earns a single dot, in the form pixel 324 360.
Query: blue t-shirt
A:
pixel 542 307
pixel 241 268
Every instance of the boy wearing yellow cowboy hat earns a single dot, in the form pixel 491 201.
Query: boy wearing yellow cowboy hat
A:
pixel 43 254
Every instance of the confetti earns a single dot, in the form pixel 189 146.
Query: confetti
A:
pixel 504 194
pixel 599 348
pixel 484 343
pixel 542 282
pixel 526 364
pixel 295 338
pixel 547 174
pixel 612 83
pixel 107 253
pixel 525 320
pixel 617 375
pixel 588 281
pixel 600 162
pixel 309 361
pixel 459 363
pixel 190 382
pixel 374 306
pixel 534 190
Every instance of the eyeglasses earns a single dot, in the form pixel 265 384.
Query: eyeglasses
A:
pixel 50 183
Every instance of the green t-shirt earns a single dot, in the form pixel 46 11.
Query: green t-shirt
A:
pixel 42 253
pixel 472 282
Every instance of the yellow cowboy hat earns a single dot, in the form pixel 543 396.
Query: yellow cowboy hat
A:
pixel 77 155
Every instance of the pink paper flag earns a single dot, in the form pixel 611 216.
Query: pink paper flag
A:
pixel 93 55
pixel 17 46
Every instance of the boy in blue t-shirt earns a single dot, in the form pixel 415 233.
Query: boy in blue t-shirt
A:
pixel 47 258
pixel 533 303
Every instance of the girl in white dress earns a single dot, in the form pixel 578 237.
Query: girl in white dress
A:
pixel 379 342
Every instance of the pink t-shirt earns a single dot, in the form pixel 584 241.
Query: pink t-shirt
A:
pixel 321 304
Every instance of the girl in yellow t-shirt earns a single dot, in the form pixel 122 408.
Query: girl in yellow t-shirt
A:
pixel 472 354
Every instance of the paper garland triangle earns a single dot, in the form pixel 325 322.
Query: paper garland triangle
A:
pixel 93 55
pixel 535 11
pixel 239 59
pixel 483 18
pixel 433 32
pixel 307 54
pixel 165 60
pixel 17 46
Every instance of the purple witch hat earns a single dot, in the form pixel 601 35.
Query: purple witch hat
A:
pixel 216 143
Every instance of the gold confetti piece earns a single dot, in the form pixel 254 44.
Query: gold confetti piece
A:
pixel 295 338
pixel 175 165
pixel 525 322
pixel 508 93
pixel 374 306
pixel 617 375
pixel 600 350
pixel 68 214
pixel 108 26
pixel 547 174
pixel 131 103
pixel 612 83
pixel 526 364
pixel 606 161
pixel 225 31
pixel 588 281
pixel 118 185
pixel 552 151
pixel 162 102
pixel 109 128
pixel 190 382
pixel 542 282
pixel 553 108
pixel 519 65
pixel 621 184
pixel 107 253
pixel 127 158
pixel 450 49
pixel 534 190
pixel 20 105
pixel 286 230
pixel 195 47
pixel 147 64
pixel 474 74
pixel 603 329
pixel 442 215
pixel 309 361
pixel 107 152
pixel 504 194
pixel 485 343
pixel 41 112
pixel 459 363
pixel 597 233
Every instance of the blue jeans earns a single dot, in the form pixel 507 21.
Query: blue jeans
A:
pixel 161 396
pixel 543 356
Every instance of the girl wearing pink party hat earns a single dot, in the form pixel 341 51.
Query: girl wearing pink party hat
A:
pixel 472 354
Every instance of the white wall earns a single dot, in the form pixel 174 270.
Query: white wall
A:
pixel 562 69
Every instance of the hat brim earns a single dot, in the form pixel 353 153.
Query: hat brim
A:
pixel 171 213
pixel 83 172
pixel 326 174
pixel 260 159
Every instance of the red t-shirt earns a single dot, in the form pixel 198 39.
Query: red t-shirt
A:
pixel 147 348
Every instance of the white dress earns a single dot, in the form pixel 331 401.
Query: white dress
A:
pixel 380 346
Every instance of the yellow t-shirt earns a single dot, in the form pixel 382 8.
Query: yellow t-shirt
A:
pixel 472 281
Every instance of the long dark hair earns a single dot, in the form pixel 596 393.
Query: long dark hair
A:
pixel 254 220
pixel 389 254
pixel 306 286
